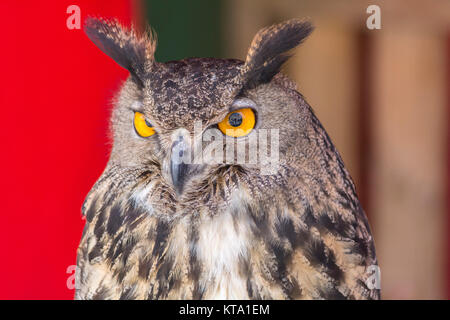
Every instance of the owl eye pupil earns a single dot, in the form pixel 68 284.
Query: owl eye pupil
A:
pixel 235 119
pixel 147 123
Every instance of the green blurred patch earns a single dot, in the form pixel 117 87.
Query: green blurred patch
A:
pixel 186 28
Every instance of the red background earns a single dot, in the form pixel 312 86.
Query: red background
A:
pixel 56 89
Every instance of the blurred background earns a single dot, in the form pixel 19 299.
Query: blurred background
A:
pixel 383 96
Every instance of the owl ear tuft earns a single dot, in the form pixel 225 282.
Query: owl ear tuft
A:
pixel 269 50
pixel 129 49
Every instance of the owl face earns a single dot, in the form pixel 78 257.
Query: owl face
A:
pixel 190 118
pixel 183 108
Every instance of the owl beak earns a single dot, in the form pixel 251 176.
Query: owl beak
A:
pixel 179 169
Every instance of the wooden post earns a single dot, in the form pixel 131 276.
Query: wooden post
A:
pixel 448 169
pixel 408 161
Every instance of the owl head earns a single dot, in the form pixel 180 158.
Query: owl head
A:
pixel 166 112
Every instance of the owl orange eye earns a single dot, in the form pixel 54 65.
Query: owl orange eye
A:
pixel 143 128
pixel 238 123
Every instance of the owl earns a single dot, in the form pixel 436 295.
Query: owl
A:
pixel 163 225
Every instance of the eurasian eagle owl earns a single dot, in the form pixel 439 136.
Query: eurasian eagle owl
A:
pixel 163 225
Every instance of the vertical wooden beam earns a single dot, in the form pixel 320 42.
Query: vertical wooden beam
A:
pixel 365 97
pixel 447 252
pixel 408 163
